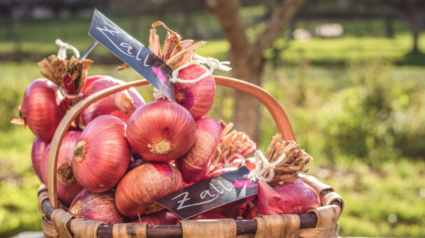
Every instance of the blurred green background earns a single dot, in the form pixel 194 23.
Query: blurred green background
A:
pixel 356 103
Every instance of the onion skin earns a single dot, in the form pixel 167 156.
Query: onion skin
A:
pixel 161 131
pixel 145 184
pixel 121 104
pixel 290 198
pixel 159 218
pixel 208 216
pixel 40 108
pixel 198 97
pixel 91 79
pixel 67 186
pixel 196 163
pixel 37 152
pixel 97 207
pixel 101 155
pixel 220 171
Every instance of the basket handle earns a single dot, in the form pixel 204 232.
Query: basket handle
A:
pixel 262 95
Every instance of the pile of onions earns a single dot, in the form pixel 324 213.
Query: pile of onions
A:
pixel 196 163
pixel 37 151
pixel 161 131
pixel 159 218
pixel 97 207
pixel 101 155
pixel 198 97
pixel 67 186
pixel 40 108
pixel 121 104
pixel 148 182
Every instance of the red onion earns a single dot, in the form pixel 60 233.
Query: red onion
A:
pixel 208 216
pixel 197 97
pixel 195 164
pixel 67 186
pixel 159 218
pixel 97 207
pixel 91 79
pixel 290 198
pixel 39 108
pixel 38 148
pixel 101 155
pixel 143 185
pixel 161 131
pixel 121 104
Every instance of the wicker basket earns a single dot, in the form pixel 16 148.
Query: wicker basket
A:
pixel 320 222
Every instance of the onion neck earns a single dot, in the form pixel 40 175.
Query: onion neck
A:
pixel 65 174
pixel 124 103
pixel 76 209
pixel 161 147
pixel 79 151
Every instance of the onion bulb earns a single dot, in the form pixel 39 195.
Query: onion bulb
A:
pixel 195 164
pixel 161 131
pixel 97 207
pixel 40 108
pixel 38 148
pixel 67 186
pixel 101 155
pixel 198 97
pixel 142 186
pixel 159 218
pixel 121 104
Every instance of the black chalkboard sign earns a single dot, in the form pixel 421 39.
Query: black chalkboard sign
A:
pixel 210 193
pixel 132 52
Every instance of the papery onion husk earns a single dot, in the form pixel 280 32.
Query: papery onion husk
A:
pixel 37 152
pixel 233 143
pixel 198 97
pixel 220 171
pixel 249 162
pixel 40 108
pixel 121 104
pixel 208 216
pixel 102 154
pixel 97 207
pixel 67 186
pixel 70 75
pixel 159 218
pixel 196 163
pixel 143 185
pixel 161 131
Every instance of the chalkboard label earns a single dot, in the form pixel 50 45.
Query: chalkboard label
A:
pixel 132 52
pixel 210 193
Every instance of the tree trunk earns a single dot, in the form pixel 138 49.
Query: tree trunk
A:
pixel 416 28
pixel 247 67
pixel 389 27
pixel 246 57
